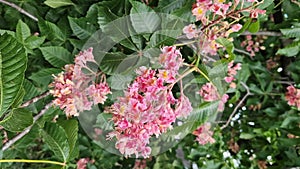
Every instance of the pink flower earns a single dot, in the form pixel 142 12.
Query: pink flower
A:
pixel 204 135
pixel 190 31
pixel 229 79
pixel 140 164
pixel 209 92
pixel 81 163
pixel 222 102
pixel 232 71
pixel 71 88
pixel 254 13
pixel 83 57
pixel 98 92
pixel 236 27
pixel 183 107
pixel 148 106
pixel 293 96
pixel 171 59
pixel 199 12
pixel 220 9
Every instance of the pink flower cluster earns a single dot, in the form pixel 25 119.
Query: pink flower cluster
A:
pixel 140 164
pixel 293 96
pixel 208 42
pixel 212 15
pixel 202 7
pixel 149 107
pixel 255 12
pixel 252 46
pixel 232 71
pixel 204 134
pixel 75 91
pixel 209 93
pixel 81 163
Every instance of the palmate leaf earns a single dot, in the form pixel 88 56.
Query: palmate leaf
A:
pixel 117 62
pixel 51 31
pixel 167 6
pixel 164 37
pixel 114 27
pixel 206 111
pixel 57 56
pixel 44 76
pixel 71 129
pixel 143 18
pixel 56 138
pixel 31 90
pixel 17 120
pixel 290 50
pixel 13 63
pixel 22 31
pixel 58 3
pixel 291 33
pixel 81 27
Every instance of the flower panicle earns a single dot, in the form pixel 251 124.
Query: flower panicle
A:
pixel 75 91
pixel 148 107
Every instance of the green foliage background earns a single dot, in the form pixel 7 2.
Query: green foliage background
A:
pixel 31 51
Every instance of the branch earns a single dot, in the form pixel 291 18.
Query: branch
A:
pixel 35 99
pixel 23 133
pixel 238 106
pixel 19 9
pixel 243 52
pixel 296 2
pixel 284 82
pixel 222 17
pixel 263 33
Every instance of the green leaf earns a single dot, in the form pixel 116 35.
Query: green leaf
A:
pixel 31 90
pixel 227 44
pixel 206 111
pixel 115 28
pixel 244 73
pixel 291 33
pixel 143 18
pixel 58 3
pixel 254 27
pixel 287 122
pixel 290 50
pixel 167 6
pixel 81 28
pixel 17 120
pixel 13 63
pixel 19 98
pixel 34 42
pixel 246 25
pixel 119 81
pixel 104 122
pixel 56 138
pixel 57 56
pixel 164 37
pixel 22 31
pixel 12 33
pixel 182 12
pixel 247 136
pixel 265 4
pixel 71 129
pixel 51 31
pixel 44 76
pixel 113 63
